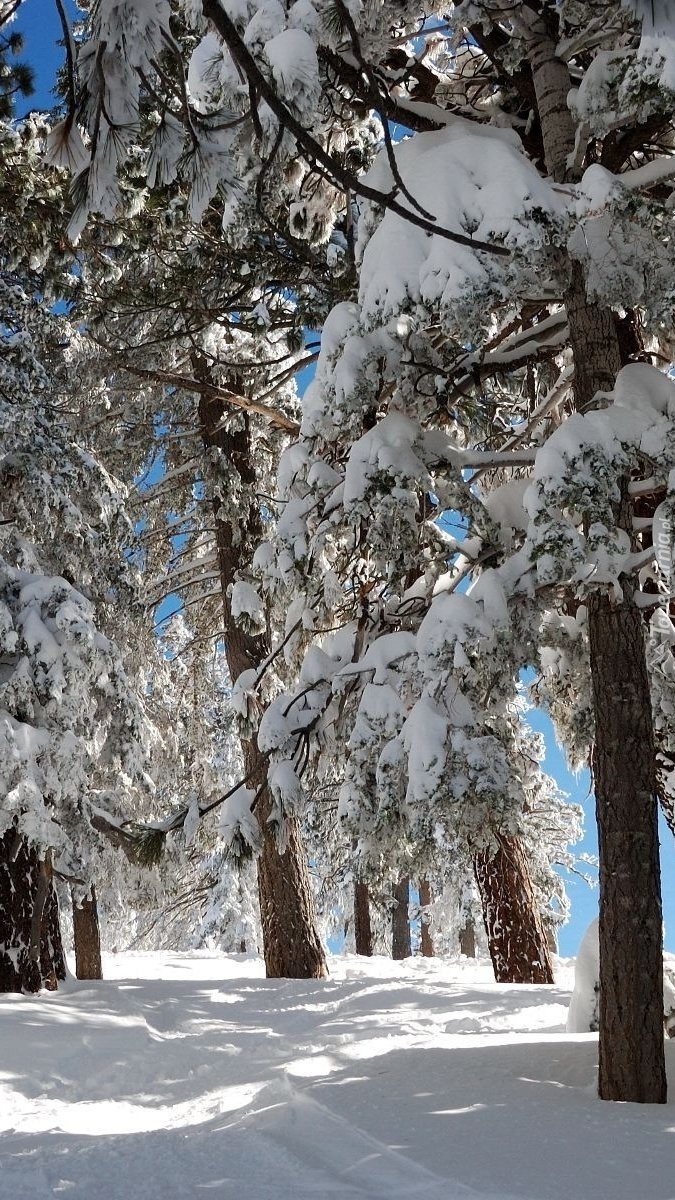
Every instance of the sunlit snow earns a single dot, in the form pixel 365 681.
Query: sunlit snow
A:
pixel 190 1075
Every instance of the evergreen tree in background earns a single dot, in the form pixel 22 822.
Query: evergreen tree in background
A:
pixel 16 77
pixel 71 720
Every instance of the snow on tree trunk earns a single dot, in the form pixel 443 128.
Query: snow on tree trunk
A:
pixel 52 958
pixel 631 991
pixel 363 934
pixel 632 1065
pixel 87 938
pixel 400 921
pixel 515 930
pixel 31 952
pixel 291 943
pixel 426 942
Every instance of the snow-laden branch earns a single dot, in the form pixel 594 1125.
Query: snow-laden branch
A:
pixel 315 151
pixel 656 171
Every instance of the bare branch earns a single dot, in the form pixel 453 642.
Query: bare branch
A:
pixel 275 418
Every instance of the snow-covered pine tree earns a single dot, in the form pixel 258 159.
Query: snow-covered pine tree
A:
pixel 71 718
pixel 219 92
pixel 16 76
pixel 597 233
pixel 57 480
pixel 553 256
pixel 186 341
pixel 624 764
pixel 198 894
pixel 595 344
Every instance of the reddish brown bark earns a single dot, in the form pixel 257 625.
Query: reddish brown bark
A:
pixel 632 1063
pixel 515 930
pixel 467 939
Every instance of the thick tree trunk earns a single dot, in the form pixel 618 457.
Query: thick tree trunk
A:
pixel 632 1063
pixel 631 973
pixel 291 943
pixel 363 934
pixel 467 939
pixel 400 920
pixel 513 924
pixel 631 1051
pixel 426 941
pixel 31 952
pixel 87 938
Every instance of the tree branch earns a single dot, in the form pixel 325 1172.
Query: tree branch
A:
pixel 316 153
pixel 174 379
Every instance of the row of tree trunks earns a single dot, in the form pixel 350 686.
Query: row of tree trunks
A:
pixel 515 930
pixel 518 943
pixel 400 923
pixel 291 943
pixel 31 951
pixel 632 1065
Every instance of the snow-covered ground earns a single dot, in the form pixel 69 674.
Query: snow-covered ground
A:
pixel 191 1075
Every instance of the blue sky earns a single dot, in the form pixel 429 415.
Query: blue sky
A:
pixel 38 21
pixel 41 28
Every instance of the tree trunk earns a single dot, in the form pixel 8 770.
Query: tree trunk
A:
pixel 513 924
pixel 467 939
pixel 363 934
pixel 31 952
pixel 400 921
pixel 291 943
pixel 631 973
pixel 52 957
pixel 87 938
pixel 632 1065
pixel 631 995
pixel 426 942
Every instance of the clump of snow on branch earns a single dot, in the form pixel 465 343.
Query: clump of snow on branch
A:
pixel 477 182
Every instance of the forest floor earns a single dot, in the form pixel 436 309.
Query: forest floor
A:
pixel 190 1075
